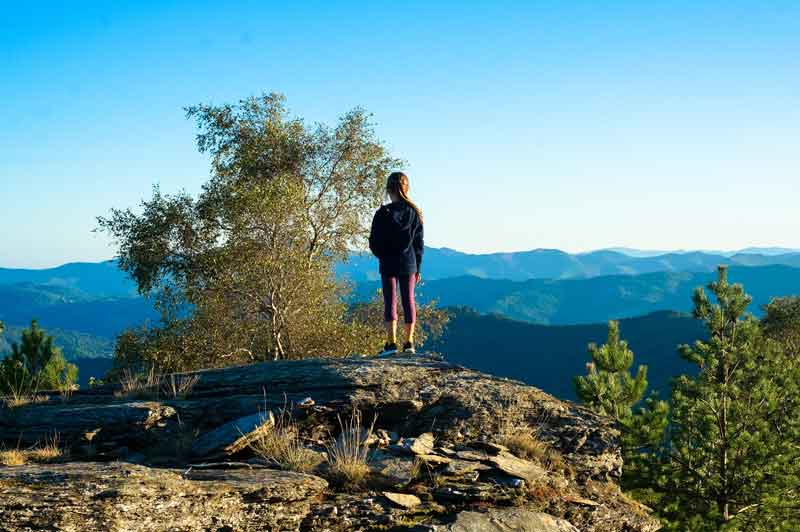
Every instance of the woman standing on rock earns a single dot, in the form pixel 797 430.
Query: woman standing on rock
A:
pixel 396 239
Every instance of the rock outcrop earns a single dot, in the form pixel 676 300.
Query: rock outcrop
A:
pixel 439 457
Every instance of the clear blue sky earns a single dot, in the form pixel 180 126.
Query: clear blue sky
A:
pixel 572 125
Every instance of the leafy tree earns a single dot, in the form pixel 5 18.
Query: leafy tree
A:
pixel 781 322
pixel 245 271
pixel 733 457
pixel 609 388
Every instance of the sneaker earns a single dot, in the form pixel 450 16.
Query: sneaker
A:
pixel 408 347
pixel 388 349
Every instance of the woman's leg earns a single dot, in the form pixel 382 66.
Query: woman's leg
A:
pixel 407 283
pixel 389 288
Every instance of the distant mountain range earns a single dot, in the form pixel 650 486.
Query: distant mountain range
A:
pixel 597 299
pixel 548 357
pixel 442 263
pixel 76 279
pixel 769 251
pixel 104 279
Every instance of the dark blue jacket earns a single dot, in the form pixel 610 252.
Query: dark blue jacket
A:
pixel 396 239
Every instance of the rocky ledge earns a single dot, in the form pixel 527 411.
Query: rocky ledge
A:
pixel 445 454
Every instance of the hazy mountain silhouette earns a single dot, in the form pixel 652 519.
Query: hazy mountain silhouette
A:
pixel 441 263
pixel 104 279
pixel 76 278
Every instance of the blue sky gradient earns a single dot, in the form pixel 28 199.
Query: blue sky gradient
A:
pixel 571 125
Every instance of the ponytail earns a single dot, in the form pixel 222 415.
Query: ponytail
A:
pixel 398 183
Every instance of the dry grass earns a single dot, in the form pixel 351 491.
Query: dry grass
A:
pixel 140 386
pixel 13 457
pixel 179 386
pixel 349 455
pixel 16 401
pixel 281 445
pixel 524 443
pixel 49 451
pixel 523 440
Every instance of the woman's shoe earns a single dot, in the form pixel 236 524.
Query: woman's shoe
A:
pixel 408 347
pixel 388 349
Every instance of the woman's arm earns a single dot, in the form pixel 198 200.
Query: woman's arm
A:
pixel 419 246
pixel 375 237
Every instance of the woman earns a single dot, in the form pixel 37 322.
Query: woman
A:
pixel 396 239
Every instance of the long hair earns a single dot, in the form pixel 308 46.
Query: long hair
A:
pixel 398 184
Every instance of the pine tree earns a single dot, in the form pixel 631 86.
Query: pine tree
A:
pixel 35 364
pixel 58 374
pixel 609 388
pixel 733 458
pixel 35 350
pixel 781 322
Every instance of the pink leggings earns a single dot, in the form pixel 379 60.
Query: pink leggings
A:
pixel 406 283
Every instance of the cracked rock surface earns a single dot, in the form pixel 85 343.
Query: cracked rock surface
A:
pixel 438 460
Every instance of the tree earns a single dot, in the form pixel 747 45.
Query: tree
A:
pixel 35 363
pixel 734 434
pixel 58 374
pixel 609 388
pixel 245 271
pixel 781 322
pixel 34 350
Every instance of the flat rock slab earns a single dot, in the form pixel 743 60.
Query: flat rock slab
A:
pixel 506 520
pixel 517 467
pixel 461 468
pixel 232 437
pixel 30 424
pixel 403 500
pixel 117 497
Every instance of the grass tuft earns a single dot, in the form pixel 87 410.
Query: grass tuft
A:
pixel 280 444
pixel 13 457
pixel 138 385
pixel 16 401
pixel 49 451
pixel 524 443
pixel 179 386
pixel 349 455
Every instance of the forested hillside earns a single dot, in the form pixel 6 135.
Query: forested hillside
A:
pixel 548 357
